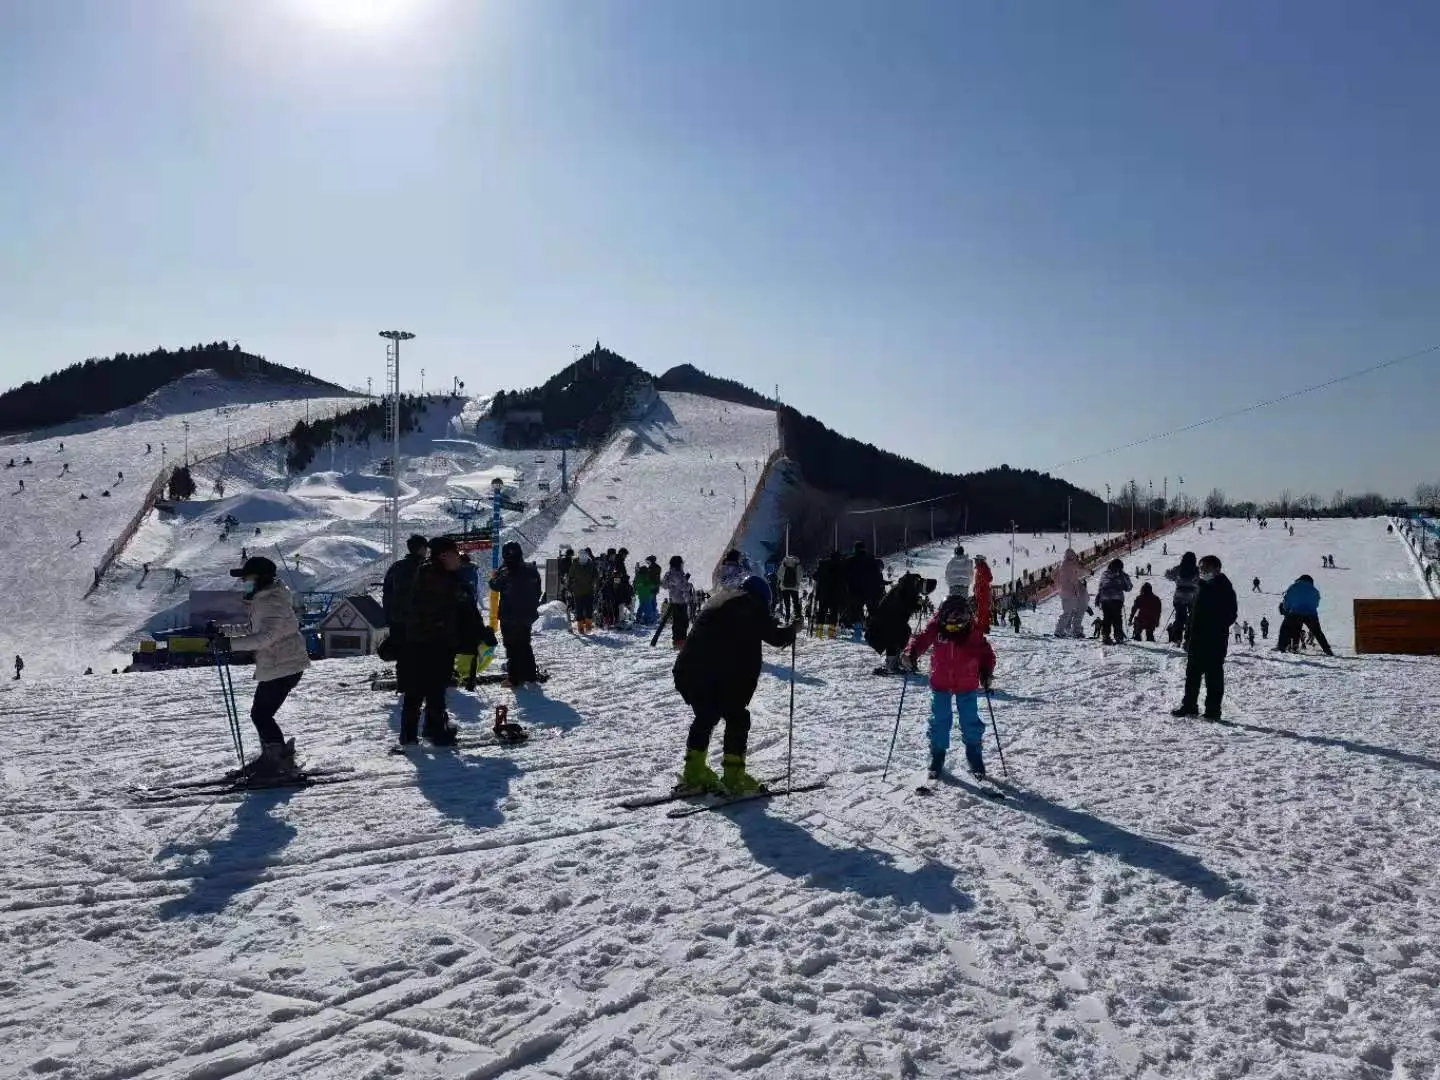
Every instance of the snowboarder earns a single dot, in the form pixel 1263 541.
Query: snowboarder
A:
pixel 1110 594
pixel 442 619
pixel 1145 613
pixel 716 674
pixel 1186 577
pixel 789 580
pixel 647 589
pixel 962 665
pixel 280 659
pixel 1255 585
pixel 678 596
pixel 984 598
pixel 1301 608
pixel 1214 611
pixel 583 577
pixel 1074 596
pixel 888 631
pixel 518 585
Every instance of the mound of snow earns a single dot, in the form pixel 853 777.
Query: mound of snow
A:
pixel 257 507
pixel 552 616
pixel 337 485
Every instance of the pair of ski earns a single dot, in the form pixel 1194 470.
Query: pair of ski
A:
pixel 234 783
pixel 682 794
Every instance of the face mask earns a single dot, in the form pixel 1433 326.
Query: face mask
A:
pixel 1207 575
pixel 248 589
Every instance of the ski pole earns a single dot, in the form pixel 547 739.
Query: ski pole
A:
pixel 996 729
pixel 898 713
pixel 669 613
pixel 227 694
pixel 790 738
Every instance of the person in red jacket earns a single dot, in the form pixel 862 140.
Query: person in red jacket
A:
pixel 983 579
pixel 962 664
pixel 1145 613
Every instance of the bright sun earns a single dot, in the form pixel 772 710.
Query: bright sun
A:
pixel 356 14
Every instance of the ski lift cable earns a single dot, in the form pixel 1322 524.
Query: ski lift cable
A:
pixel 905 506
pixel 1251 408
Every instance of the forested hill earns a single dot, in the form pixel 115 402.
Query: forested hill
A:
pixel 688 379
pixel 99 386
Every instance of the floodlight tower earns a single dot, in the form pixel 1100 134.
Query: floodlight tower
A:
pixel 392 370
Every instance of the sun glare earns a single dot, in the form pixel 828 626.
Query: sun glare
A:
pixel 356 15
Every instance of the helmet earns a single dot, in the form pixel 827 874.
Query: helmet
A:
pixel 757 587
pixel 676 561
pixel 258 567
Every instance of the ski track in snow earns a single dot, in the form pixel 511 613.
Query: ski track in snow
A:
pixel 1159 898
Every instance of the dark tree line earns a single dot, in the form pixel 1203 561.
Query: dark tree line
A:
pixel 687 379
pixel 583 401
pixel 355 426
pixel 182 484
pixel 98 386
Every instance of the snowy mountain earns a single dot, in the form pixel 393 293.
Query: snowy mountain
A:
pixel 1158 899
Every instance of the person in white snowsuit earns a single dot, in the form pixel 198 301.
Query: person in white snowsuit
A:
pixel 732 571
pixel 960 573
pixel 1074 597
pixel 679 594
pixel 280 659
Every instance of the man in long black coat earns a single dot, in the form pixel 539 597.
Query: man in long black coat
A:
pixel 888 631
pixel 1214 612
pixel 717 672
pixel 518 584
pixel 442 620
pixel 395 600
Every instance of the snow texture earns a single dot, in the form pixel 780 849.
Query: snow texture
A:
pixel 1159 899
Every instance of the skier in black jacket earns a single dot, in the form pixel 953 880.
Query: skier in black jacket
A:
pixel 888 631
pixel 518 584
pixel 1214 612
pixel 395 600
pixel 716 674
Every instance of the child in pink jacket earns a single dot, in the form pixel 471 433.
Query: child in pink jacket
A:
pixel 962 664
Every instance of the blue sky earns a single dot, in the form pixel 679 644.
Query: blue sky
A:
pixel 968 232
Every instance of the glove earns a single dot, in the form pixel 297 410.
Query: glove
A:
pixel 1090 611
pixel 219 643
pixel 986 675
pixel 907 661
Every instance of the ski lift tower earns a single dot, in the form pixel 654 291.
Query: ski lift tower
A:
pixel 392 421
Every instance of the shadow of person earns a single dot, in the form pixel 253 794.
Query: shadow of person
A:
pixel 533 707
pixel 464 788
pixel 233 864
pixel 791 850
pixel 783 674
pixel 1354 747
pixel 1107 838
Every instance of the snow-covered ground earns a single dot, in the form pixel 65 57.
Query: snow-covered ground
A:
pixel 1031 553
pixel 669 484
pixel 1160 899
pixel 51 539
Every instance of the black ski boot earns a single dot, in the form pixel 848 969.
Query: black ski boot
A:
pixel 1185 710
pixel 446 734
pixel 937 764
pixel 975 761
pixel 276 762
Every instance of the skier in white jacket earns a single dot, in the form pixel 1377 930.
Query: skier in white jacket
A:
pixel 1074 597
pixel 960 573
pixel 280 660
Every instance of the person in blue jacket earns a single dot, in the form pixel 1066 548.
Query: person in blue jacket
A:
pixel 1301 608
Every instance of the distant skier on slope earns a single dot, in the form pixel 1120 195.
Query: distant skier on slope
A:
pixel 962 665
pixel 1301 608
pixel 716 674
pixel 280 660
pixel 19 666
pixel 1110 595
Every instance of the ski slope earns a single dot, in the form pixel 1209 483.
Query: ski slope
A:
pixel 45 569
pixel 649 488
pixel 1370 564
pixel 1160 899
pixel 1031 553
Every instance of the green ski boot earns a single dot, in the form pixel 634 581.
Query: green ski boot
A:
pixel 697 776
pixel 736 780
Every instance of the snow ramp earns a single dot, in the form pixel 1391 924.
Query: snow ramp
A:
pixel 674 483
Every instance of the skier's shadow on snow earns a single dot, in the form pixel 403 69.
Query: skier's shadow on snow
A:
pixel 791 850
pixel 462 786
pixel 1107 838
pixel 535 708
pixel 783 674
pixel 258 836
pixel 1369 749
